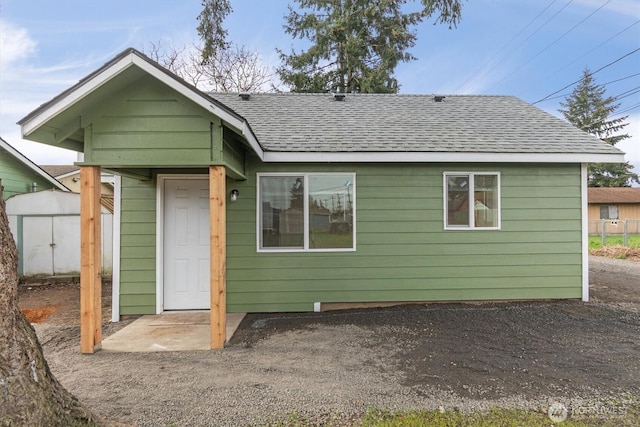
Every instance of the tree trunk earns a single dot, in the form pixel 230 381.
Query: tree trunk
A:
pixel 29 394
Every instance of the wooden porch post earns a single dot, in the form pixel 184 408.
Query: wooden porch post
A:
pixel 90 260
pixel 218 255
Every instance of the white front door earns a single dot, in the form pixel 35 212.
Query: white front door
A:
pixel 186 244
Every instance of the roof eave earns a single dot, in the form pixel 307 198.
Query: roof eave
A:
pixel 440 157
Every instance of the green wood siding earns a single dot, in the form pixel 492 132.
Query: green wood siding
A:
pixel 17 178
pixel 233 157
pixel 149 125
pixel 403 252
pixel 138 247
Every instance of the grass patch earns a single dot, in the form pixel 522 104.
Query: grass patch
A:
pixel 495 417
pixel 595 241
pixel 609 415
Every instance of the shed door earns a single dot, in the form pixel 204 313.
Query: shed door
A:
pixel 186 244
pixel 38 245
pixel 51 245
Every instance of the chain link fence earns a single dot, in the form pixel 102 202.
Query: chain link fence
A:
pixel 614 227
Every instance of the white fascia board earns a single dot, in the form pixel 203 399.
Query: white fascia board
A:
pixel 115 261
pixel 584 196
pixel 35 168
pixel 440 157
pixel 70 99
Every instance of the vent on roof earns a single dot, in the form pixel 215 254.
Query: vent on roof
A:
pixel 338 96
pixel 439 98
pixel 244 95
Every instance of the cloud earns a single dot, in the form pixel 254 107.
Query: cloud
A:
pixel 15 44
pixel 631 146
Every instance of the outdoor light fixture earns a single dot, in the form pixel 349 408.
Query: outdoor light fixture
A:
pixel 234 195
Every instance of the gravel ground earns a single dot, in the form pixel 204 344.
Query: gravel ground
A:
pixel 331 367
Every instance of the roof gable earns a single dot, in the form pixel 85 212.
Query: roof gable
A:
pixel 59 121
pixel 28 164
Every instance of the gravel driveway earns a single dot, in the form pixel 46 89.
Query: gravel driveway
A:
pixel 332 367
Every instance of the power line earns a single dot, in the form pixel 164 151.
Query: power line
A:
pixel 531 35
pixel 595 72
pixel 627 109
pixel 506 44
pixel 601 84
pixel 628 93
pixel 595 48
pixel 551 44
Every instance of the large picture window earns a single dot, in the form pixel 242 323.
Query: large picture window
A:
pixel 306 212
pixel 472 200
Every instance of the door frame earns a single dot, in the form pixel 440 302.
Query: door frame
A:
pixel 160 198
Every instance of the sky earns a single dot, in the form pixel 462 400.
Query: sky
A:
pixel 533 49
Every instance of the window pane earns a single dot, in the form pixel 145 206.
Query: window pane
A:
pixel 604 212
pixel 613 212
pixel 330 211
pixel 485 204
pixel 458 200
pixel 282 199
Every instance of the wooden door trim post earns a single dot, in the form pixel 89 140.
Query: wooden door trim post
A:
pixel 218 255
pixel 90 260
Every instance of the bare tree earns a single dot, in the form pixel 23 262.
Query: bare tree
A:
pixel 29 394
pixel 233 69
pixel 237 69
pixel 184 62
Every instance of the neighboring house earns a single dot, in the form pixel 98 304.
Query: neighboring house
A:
pixel 69 176
pixel 46 228
pixel 20 175
pixel 429 198
pixel 613 205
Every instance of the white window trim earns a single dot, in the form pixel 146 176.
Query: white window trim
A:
pixel 305 176
pixel 472 176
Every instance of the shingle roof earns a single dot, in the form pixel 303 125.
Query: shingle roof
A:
pixel 286 122
pixel 613 195
pixel 58 170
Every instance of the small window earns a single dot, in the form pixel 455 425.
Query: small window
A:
pixel 299 212
pixel 609 212
pixel 472 200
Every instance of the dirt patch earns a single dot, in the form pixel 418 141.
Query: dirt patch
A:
pixel 40 314
pixel 57 303
pixel 335 365
pixel 615 282
pixel 489 351
pixel 617 252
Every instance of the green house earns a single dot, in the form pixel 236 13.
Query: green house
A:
pixel 20 175
pixel 294 202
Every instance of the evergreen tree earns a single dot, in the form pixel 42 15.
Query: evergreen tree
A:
pixel 211 30
pixel 355 44
pixel 590 110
